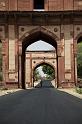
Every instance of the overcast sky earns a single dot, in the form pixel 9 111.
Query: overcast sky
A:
pixel 40 46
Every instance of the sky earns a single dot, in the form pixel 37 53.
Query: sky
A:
pixel 40 46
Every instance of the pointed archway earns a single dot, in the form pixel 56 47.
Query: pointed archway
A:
pixel 77 57
pixel 27 39
pixel 51 66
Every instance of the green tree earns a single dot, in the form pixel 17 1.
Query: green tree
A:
pixel 36 75
pixel 47 69
pixel 79 60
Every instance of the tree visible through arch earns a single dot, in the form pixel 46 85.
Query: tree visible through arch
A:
pixel 48 74
pixel 79 58
pixel 49 71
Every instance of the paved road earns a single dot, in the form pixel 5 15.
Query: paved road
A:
pixel 45 84
pixel 40 106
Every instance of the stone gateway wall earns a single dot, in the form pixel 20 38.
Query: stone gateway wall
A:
pixel 59 24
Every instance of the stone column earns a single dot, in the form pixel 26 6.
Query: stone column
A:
pixel 4 62
pixel 31 70
pixel 16 60
pixel 68 33
pixel 12 65
pixel 75 68
pixel 58 65
pixel 75 61
pixel 3 66
pixel 20 66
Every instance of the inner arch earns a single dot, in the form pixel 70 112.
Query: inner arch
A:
pixel 51 77
pixel 44 63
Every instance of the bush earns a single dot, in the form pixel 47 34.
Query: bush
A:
pixel 79 90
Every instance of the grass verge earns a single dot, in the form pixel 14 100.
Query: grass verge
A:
pixel 79 90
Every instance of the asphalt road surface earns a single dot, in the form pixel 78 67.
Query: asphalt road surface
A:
pixel 40 106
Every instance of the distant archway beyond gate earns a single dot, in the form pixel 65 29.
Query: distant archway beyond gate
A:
pixel 34 59
pixel 53 66
pixel 32 36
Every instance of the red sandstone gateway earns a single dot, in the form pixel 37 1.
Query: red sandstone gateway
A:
pixel 23 22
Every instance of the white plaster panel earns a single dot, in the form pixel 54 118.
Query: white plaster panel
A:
pixel 11 54
pixel 11 47
pixel 68 40
pixel 11 76
pixel 68 76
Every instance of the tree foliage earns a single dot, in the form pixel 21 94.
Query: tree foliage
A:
pixel 49 71
pixel 36 75
pixel 79 60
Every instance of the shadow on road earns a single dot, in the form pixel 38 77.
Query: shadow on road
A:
pixel 40 106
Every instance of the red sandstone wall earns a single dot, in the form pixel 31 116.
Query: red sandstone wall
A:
pixel 12 4
pixel 24 5
pixel 55 5
pixel 51 5
pixel 68 4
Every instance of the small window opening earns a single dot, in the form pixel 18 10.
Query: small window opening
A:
pixel 39 4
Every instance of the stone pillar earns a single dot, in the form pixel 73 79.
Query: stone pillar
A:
pixel 60 71
pixel 72 63
pixel 16 60
pixel 20 66
pixel 3 64
pixel 12 39
pixel 60 66
pixel 31 70
pixel 69 58
pixel 75 68
pixel 75 61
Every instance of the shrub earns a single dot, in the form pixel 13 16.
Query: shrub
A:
pixel 79 90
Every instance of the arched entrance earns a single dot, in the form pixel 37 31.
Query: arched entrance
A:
pixel 30 37
pixel 53 77
pixel 79 59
